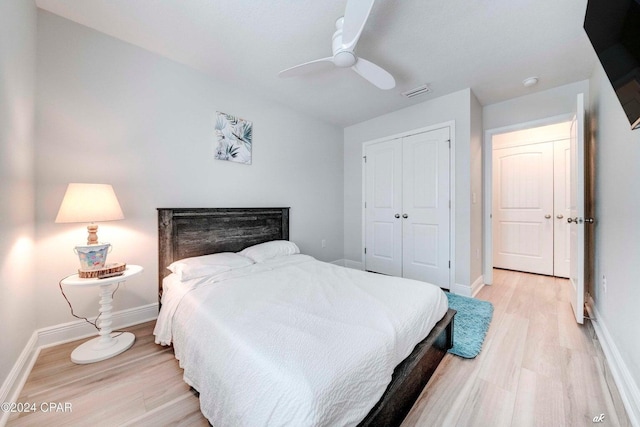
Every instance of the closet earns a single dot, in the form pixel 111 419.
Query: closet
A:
pixel 407 206
pixel 531 172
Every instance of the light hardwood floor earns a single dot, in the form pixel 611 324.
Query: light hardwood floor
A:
pixel 536 368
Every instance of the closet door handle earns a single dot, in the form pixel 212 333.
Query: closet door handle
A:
pixel 397 215
pixel 559 216
pixel 405 216
pixel 547 216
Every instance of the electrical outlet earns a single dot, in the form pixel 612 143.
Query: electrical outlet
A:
pixel 604 283
pixel 323 242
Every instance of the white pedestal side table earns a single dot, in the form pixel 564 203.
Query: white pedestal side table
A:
pixel 106 345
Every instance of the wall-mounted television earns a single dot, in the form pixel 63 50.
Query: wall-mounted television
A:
pixel 613 26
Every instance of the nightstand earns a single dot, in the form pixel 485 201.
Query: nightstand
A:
pixel 107 344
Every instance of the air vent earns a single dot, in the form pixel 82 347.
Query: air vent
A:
pixel 420 90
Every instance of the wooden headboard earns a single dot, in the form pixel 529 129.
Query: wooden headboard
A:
pixel 189 232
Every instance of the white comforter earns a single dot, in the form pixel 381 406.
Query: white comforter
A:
pixel 294 341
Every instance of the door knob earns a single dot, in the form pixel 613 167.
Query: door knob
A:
pixel 397 215
pixel 547 216
pixel 559 216
pixel 589 220
pixel 405 216
pixel 570 220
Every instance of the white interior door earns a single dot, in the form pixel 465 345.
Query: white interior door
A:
pixel 425 212
pixel 577 211
pixel 523 208
pixel 562 208
pixel 383 205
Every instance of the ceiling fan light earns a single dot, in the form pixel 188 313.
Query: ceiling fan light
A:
pixel 344 59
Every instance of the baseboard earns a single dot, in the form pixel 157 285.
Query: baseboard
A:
pixel 477 285
pixel 339 262
pixel 629 391
pixel 14 382
pixel 79 329
pixel 60 334
pixel 459 289
pixel 356 265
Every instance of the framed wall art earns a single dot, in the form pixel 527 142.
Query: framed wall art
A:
pixel 234 137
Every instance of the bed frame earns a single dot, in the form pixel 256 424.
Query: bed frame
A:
pixel 187 232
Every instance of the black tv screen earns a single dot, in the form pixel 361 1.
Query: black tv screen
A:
pixel 613 26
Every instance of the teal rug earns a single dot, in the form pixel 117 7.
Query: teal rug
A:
pixel 469 325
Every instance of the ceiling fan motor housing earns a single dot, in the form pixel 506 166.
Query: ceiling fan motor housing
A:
pixel 341 57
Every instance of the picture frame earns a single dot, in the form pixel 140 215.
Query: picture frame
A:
pixel 235 138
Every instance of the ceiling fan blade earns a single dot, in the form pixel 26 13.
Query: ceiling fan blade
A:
pixel 355 16
pixel 305 68
pixel 374 74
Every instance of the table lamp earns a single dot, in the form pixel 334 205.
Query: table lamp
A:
pixel 90 203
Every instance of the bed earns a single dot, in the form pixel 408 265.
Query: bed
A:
pixel 186 233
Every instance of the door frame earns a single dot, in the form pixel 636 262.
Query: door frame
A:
pixel 451 124
pixel 487 181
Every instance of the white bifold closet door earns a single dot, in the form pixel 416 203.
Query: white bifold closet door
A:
pixel 383 201
pixel 407 207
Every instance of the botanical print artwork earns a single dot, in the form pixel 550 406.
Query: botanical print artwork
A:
pixel 234 138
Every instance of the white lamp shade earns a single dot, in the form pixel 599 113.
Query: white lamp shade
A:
pixel 89 203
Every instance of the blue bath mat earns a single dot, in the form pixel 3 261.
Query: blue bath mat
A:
pixel 470 324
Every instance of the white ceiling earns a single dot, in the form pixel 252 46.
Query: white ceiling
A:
pixel 490 46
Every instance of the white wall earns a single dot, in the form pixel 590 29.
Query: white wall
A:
pixel 455 106
pixel 17 261
pixel 111 112
pixel 617 209
pixel 537 106
pixel 476 195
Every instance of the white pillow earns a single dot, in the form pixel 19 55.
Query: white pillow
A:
pixel 264 251
pixel 207 265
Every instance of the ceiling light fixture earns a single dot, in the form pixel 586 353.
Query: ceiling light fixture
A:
pixel 530 81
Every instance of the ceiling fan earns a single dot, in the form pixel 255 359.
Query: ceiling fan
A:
pixel 348 30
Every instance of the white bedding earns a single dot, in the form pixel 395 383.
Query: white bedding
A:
pixel 294 341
